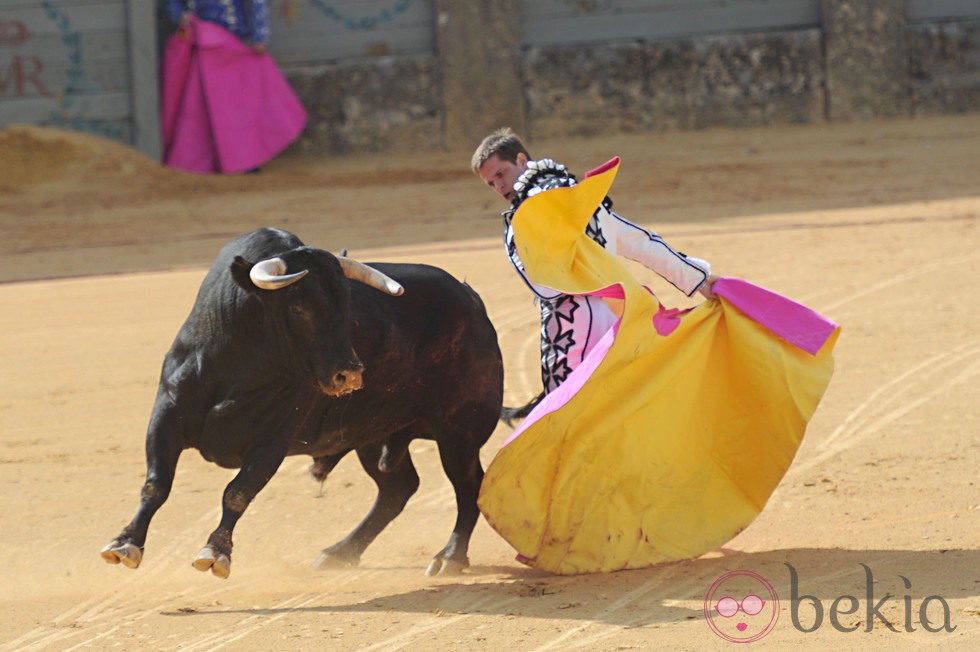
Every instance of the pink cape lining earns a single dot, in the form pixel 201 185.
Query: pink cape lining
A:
pixel 224 107
pixel 802 327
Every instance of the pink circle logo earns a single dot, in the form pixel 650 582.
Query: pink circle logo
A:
pixel 741 607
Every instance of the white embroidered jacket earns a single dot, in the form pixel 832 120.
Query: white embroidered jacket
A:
pixel 616 234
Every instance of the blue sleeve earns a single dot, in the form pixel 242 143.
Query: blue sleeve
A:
pixel 176 9
pixel 260 21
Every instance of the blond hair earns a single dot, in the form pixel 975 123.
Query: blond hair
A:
pixel 503 143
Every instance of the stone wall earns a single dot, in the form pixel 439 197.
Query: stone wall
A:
pixel 864 56
pixel 384 104
pixel 944 68
pixel 865 61
pixel 742 80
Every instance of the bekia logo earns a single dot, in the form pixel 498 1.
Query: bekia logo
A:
pixel 741 607
pixel 875 606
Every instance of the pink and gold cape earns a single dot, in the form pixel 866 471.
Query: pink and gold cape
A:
pixel 224 108
pixel 671 435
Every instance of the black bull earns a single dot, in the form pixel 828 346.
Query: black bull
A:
pixel 283 354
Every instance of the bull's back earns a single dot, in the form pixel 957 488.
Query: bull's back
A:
pixel 433 287
pixel 428 354
pixel 437 315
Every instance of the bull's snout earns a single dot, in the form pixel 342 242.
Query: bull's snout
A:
pixel 344 381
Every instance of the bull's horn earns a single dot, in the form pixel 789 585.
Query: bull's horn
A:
pixel 269 274
pixel 374 278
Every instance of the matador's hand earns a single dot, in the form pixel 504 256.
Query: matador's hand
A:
pixel 707 287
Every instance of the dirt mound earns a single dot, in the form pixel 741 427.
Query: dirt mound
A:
pixel 28 160
pixel 33 156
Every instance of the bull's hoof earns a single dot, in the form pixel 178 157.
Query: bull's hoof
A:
pixel 328 559
pixel 219 564
pixel 445 567
pixel 128 553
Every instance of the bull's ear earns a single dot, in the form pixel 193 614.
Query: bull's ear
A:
pixel 240 269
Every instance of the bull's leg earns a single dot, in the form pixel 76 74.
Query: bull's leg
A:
pixel 395 486
pixel 462 466
pixel 163 448
pixel 322 466
pixel 258 468
pixel 394 448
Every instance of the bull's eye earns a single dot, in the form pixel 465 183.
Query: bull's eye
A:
pixel 297 310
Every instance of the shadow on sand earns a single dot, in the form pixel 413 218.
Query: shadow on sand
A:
pixel 675 592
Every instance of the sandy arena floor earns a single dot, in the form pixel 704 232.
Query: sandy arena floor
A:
pixel 873 224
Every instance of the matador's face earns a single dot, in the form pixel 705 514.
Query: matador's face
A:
pixel 501 175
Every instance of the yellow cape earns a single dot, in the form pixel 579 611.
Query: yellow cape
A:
pixel 673 444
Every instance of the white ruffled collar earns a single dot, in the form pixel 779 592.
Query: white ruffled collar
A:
pixel 534 168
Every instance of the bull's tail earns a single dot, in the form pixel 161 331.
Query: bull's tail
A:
pixel 509 414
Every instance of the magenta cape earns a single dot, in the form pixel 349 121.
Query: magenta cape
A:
pixel 671 435
pixel 224 108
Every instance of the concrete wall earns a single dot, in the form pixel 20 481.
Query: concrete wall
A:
pixel 396 75
pixel 865 59
pixel 87 65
